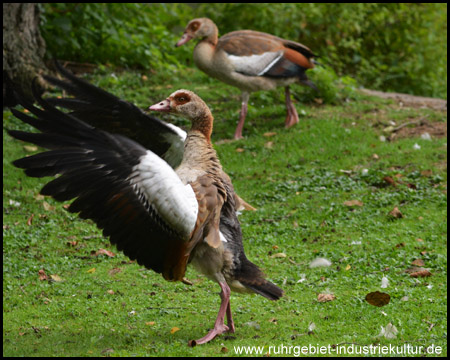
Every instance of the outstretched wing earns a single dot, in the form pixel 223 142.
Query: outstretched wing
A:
pixel 105 111
pixel 133 195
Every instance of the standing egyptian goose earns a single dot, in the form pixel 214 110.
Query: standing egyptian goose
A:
pixel 251 61
pixel 160 217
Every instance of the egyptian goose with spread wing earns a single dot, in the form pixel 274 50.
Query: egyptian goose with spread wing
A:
pixel 105 111
pixel 160 217
pixel 251 61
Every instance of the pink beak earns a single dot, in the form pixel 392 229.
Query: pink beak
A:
pixel 161 106
pixel 184 39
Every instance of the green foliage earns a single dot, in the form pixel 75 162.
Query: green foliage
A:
pixel 124 34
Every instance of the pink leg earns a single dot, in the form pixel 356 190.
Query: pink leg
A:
pixel 219 325
pixel 292 116
pixel 230 321
pixel 240 126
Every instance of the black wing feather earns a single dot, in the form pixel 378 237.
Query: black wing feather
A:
pixel 95 168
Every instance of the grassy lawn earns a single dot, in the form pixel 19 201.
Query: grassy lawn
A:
pixel 301 181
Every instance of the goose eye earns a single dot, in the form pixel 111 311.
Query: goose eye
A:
pixel 181 99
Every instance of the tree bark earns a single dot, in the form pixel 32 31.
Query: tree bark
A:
pixel 23 49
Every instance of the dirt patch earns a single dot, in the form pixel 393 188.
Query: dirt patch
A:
pixel 410 100
pixel 434 129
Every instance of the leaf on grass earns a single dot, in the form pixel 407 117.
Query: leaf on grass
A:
pixel 239 150
pixel 91 271
pixel 348 267
pixel 268 145
pixel 110 292
pixel 104 252
pixel 390 181
pixel 47 206
pixel 325 297
pixel 56 278
pixel 150 323
pixel 389 332
pixel 30 220
pixel 39 197
pixel 269 134
pixel 396 213
pixel 174 330
pixel 319 262
pixel 114 271
pixel 418 262
pixel 420 273
pixel 42 275
pixel 279 255
pixel 352 203
pixel 378 298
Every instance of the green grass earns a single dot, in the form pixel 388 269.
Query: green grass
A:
pixel 298 179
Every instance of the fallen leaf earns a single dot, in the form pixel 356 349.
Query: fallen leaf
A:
pixel 269 134
pixel 39 197
pixel 91 271
pixel 30 220
pixel 47 206
pixel 114 271
pixel 239 150
pixel 104 252
pixel 174 330
pixel 110 292
pixel 390 181
pixel 396 213
pixel 268 145
pixel 325 297
pixel 378 298
pixel 421 273
pixel 418 262
pixel 389 332
pixel 353 203
pixel 320 262
pixel 348 267
pixel 279 255
pixel 42 275
pixel 150 323
pixel 56 278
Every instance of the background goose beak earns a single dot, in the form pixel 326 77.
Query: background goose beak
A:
pixel 184 39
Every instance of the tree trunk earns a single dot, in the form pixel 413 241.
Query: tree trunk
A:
pixel 23 49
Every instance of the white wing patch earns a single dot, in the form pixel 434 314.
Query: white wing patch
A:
pixel 255 65
pixel 174 201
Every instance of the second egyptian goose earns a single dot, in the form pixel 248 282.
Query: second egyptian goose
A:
pixel 251 61
pixel 160 217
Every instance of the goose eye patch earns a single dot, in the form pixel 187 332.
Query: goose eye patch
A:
pixel 182 98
